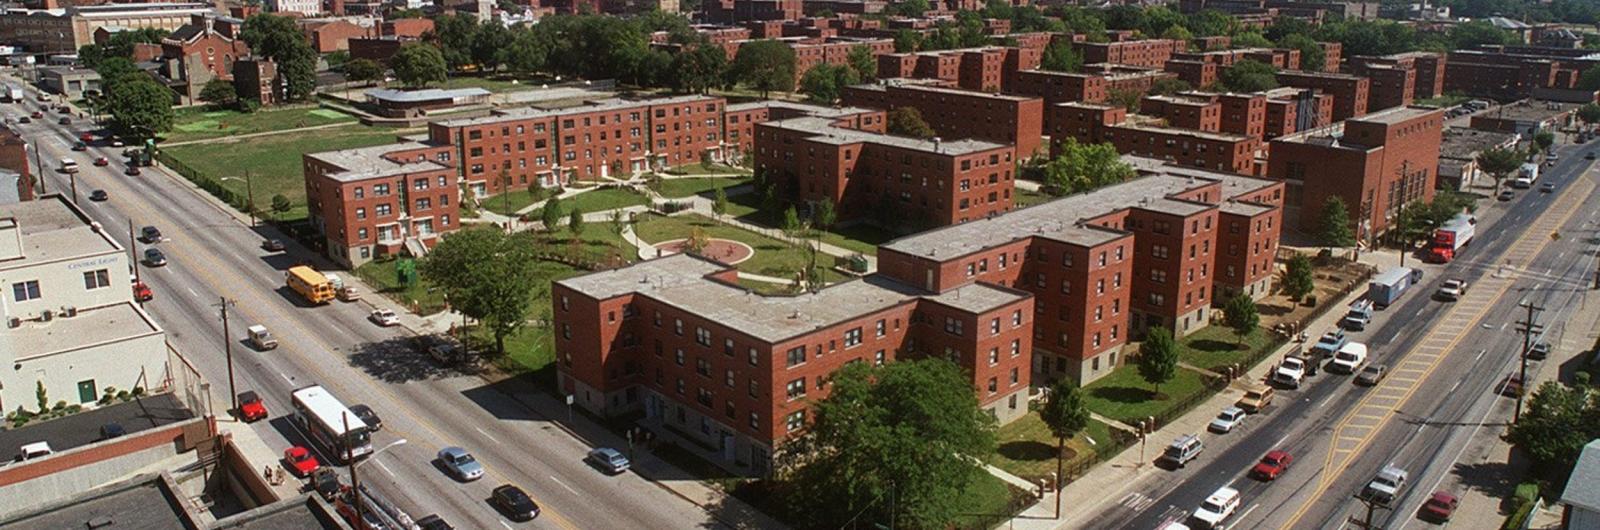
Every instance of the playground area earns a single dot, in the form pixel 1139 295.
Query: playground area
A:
pixel 724 251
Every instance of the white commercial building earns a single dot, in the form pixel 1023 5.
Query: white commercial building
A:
pixel 309 7
pixel 70 319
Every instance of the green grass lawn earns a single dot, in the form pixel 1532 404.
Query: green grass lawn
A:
pixel 1027 449
pixel 597 237
pixel 604 199
pixel 1126 397
pixel 707 169
pixel 492 85
pixel 863 238
pixel 1214 347
pixel 274 161
pixel 509 203
pixel 685 187
pixel 197 124
pixel 772 258
pixel 1023 198
pixel 421 296
pixel 987 500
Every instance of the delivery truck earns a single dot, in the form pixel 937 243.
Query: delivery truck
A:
pixel 1387 287
pixel 1448 239
pixel 13 94
pixel 1526 176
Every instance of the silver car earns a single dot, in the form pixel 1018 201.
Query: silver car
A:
pixel 460 464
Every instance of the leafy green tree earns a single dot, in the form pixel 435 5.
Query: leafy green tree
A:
pixel 1241 315
pixel 418 64
pixel 719 201
pixel 907 41
pixel 1312 56
pixel 551 214
pixel 1249 75
pixel 909 429
pixel 453 34
pixel 1335 224
pixel 1500 162
pixel 281 205
pixel 490 45
pixel 139 106
pixel 1479 32
pixel 823 82
pixel 1083 167
pixel 363 70
pixel 114 69
pixel 765 65
pixel 1251 40
pixel 1158 358
pixel 1297 278
pixel 823 214
pixel 791 222
pixel 907 121
pixel 575 222
pixel 1066 416
pixel 1556 424
pixel 527 53
pixel 700 69
pixel 618 222
pixel 1589 114
pixel 487 275
pixel 1127 99
pixel 908 8
pixel 279 38
pixel 1060 57
pixel 1544 139
pixel 1177 33
pixel 218 92
pixel 863 62
pixel 120 45
pixel 1169 86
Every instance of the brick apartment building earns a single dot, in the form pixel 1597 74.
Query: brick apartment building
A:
pixel 1349 92
pixel 1390 86
pixel 810 52
pixel 984 69
pixel 954 114
pixel 1148 53
pixel 740 120
pixel 585 142
pixel 1291 110
pixel 1376 163
pixel 331 35
pixel 1139 136
pixel 736 11
pixel 851 162
pixel 375 201
pixel 14 158
pixel 1094 85
pixel 1049 291
pixel 1196 73
pixel 1509 73
pixel 1426 79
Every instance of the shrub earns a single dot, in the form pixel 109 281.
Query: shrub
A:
pixel 59 406
pixel 122 395
pixel 1310 300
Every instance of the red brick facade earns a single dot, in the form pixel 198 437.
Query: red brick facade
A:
pixel 1349 92
pixel 1149 53
pixel 1380 162
pixel 1089 123
pixel 368 202
pixel 961 114
pixel 14 157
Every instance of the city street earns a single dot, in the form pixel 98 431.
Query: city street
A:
pixel 1444 360
pixel 213 255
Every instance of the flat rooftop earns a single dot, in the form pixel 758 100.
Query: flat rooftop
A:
pixel 680 280
pixel 1465 143
pixel 1188 133
pixel 428 94
pixel 927 87
pixel 824 131
pixel 368 162
pixel 1527 110
pixel 91 327
pixel 148 502
pixel 81 429
pixel 813 110
pixel 52 229
pixel 601 105
pixel 1395 115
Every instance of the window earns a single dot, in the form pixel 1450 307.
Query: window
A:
pixel 702 366
pixel 755 388
pixel 994 385
pixel 878 358
pixel 1100 286
pixel 727 344
pixel 1015 377
pixel 994 326
pixel 1159 251
pixel 96 279
pixel 361 213
pixel 797 356
pixel 680 386
pixel 755 357
pixel 1016 318
pixel 24 291
pixel 679 355
pixel 852 338
pixel 795 389
pixel 1158 276
pixel 880 328
pixel 677 326
pixel 382 210
pixel 755 420
pixel 1016 347
pixel 952 326
pixel 1157 299
pixel 702 336
pixel 795 420
pixel 728 379
pixel 994 356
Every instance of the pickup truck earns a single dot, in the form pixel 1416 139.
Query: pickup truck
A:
pixel 1386 486
pixel 1358 317
pixel 1291 372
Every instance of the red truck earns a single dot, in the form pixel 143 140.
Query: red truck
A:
pixel 1448 239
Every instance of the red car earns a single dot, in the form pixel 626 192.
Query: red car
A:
pixel 101 162
pixel 1272 465
pixel 1439 507
pixel 86 137
pixel 251 408
pixel 301 461
pixel 36 115
pixel 142 293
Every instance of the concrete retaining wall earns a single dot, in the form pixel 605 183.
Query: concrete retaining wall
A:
pixel 38 482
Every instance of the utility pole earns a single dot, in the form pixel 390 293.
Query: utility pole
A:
pixel 227 347
pixel 133 252
pixel 1528 328
pixel 349 456
pixel 39 164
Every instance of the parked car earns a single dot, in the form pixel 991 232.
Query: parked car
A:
pixel 1386 486
pixel 1329 343
pixel 1290 372
pixel 1439 507
pixel 37 115
pixel 608 460
pixel 1272 465
pixel 272 245
pixel 1227 419
pixel 384 317
pixel 132 171
pixel 301 461
pixel 98 196
pixel 142 293
pixel 460 464
pixel 251 408
pixel 1182 450
pixel 1511 385
pixel 1547 187
pixel 1372 374
pixel 1349 359
pixel 516 504
pixel 154 258
pixel 326 482
pixel 367 416
pixel 1256 398
pixel 1217 508
pixel 25 119
pixel 443 349
pixel 80 146
pixel 150 234
pixel 1589 155
pixel 112 430
pixel 1506 195
pixel 64 121
pixel 1539 351
pixel 101 161
pixel 1451 290
pixel 33 451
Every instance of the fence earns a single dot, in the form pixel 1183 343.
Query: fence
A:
pixel 205 182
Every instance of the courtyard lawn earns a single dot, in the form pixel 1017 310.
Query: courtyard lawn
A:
pixel 1026 448
pixel 274 161
pixel 1215 347
pixel 420 296
pixel 686 187
pixel 603 199
pixel 599 239
pixel 708 169
pixel 1126 397
pixel 986 502
pixel 200 124
pixel 1023 198
pixel 772 258
pixel 509 203
pixel 861 237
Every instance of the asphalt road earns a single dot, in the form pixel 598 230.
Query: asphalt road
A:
pixel 212 255
pixel 1448 405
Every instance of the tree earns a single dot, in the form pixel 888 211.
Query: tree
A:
pixel 1240 313
pixel 907 121
pixel 551 214
pixel 1297 278
pixel 1158 358
pixel 281 205
pixel 43 396
pixel 1177 33
pixel 1312 56
pixel 863 62
pixel 279 38
pixel 575 222
pixel 218 92
pixel 527 53
pixel 1335 225
pixel 1060 57
pixel 1248 76
pixel 618 222
pixel 908 8
pixel 765 65
pixel 1499 163
pixel 1544 139
pixel 1589 114
pixel 487 275
pixel 1251 40
pixel 1065 414
pixel 139 106
pixel 489 46
pixel 418 64
pixel 115 69
pixel 363 70
pixel 1168 86
pixel 719 201
pixel 1083 167
pixel 909 429
pixel 907 41
pixel 791 222
pixel 823 215
pixel 823 82
pixel 1127 99
pixel 453 34
pixel 1557 423
pixel 699 69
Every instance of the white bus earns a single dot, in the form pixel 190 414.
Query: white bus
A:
pixel 324 419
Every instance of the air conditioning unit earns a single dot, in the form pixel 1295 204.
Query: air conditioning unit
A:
pixel 47 315
pixel 69 312
pixel 13 322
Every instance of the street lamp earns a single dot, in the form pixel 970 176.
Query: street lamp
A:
pixel 250 196
pixel 355 483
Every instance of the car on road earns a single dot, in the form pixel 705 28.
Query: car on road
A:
pixel 301 461
pixel 1539 351
pixel 80 146
pixel 384 317
pixel 116 142
pixel 460 464
pixel 608 460
pixel 64 121
pixel 1329 343
pixel 1290 372
pixel 1439 507
pixel 1506 195
pixel 1385 487
pixel 37 115
pixel 367 416
pixel 442 348
pixel 1217 508
pixel 33 450
pixel 154 258
pixel 260 338
pixel 251 408
pixel 1451 290
pixel 1358 316
pixel 150 234
pixel 112 430
pixel 1227 419
pixel 516 503
pixel 433 522
pixel 1589 155
pixel 101 161
pixel 132 171
pixel 142 293
pixel 98 196
pixel 1510 386
pixel 1349 359
pixel 1372 374
pixel 1182 450
pixel 1256 398
pixel 272 245
pixel 25 119
pixel 1272 465
pixel 1547 187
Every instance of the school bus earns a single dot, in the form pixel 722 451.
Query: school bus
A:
pixel 310 284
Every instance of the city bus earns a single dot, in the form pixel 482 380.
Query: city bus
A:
pixel 330 424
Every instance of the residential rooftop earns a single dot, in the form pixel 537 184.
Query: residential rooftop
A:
pixel 429 94
pixel 1583 486
pixel 883 86
pixel 91 327
pixel 82 429
pixel 364 163
pixel 1465 143
pixel 1391 116
pixel 602 105
pixel 809 109
pixel 1527 110
pixel 1186 133
pixel 52 229
pixel 825 132
pixel 156 501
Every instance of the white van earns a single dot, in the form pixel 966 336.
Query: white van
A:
pixel 69 165
pixel 1349 358
pixel 34 450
